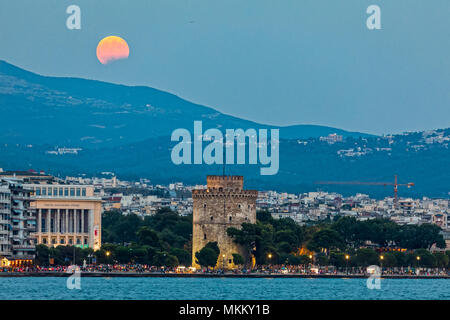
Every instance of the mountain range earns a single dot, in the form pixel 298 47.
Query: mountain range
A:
pixel 87 113
pixel 126 130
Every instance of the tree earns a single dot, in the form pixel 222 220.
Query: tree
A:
pixel 147 236
pixel 325 239
pixel 171 261
pixel 400 259
pixel 42 255
pixel 346 227
pixel 423 236
pixel 365 257
pixel 264 216
pixel 122 254
pixel 441 259
pixel 337 259
pixel 390 260
pixel 183 256
pixel 207 256
pixel 284 247
pixel 426 258
pixel 321 259
pixel 238 259
pixel 256 238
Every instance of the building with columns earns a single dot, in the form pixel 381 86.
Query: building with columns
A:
pixel 66 214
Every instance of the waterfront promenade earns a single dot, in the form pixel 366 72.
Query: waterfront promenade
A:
pixel 134 274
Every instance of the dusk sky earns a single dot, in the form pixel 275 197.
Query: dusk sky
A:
pixel 275 62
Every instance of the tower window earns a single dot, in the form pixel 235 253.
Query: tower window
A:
pixel 204 236
pixel 212 218
pixel 230 218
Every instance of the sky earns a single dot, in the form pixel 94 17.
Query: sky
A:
pixel 277 62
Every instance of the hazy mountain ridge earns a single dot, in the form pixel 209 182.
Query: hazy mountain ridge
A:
pixel 78 112
pixel 127 130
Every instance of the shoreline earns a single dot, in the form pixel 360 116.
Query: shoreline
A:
pixel 212 275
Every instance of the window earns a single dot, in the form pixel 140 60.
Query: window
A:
pixel 212 218
pixel 66 192
pixel 62 241
pixel 53 241
pixel 72 192
pixel 83 192
pixel 38 191
pixel 229 261
pixel 78 192
pixel 204 236
pixel 85 241
pixel 230 218
pixel 61 190
pixel 44 191
pixel 55 191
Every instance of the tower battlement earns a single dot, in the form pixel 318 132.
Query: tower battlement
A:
pixel 225 182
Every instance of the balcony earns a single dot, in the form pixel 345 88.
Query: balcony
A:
pixel 23 257
pixel 23 247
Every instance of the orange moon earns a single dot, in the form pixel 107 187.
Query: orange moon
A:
pixel 112 48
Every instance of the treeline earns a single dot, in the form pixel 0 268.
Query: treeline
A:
pixel 163 239
pixel 280 241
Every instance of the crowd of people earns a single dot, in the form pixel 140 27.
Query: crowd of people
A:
pixel 263 270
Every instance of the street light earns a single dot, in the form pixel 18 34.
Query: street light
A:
pixel 223 262
pixel 381 258
pixel 418 262
pixel 270 257
pixel 346 262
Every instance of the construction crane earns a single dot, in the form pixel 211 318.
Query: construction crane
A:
pixel 395 184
